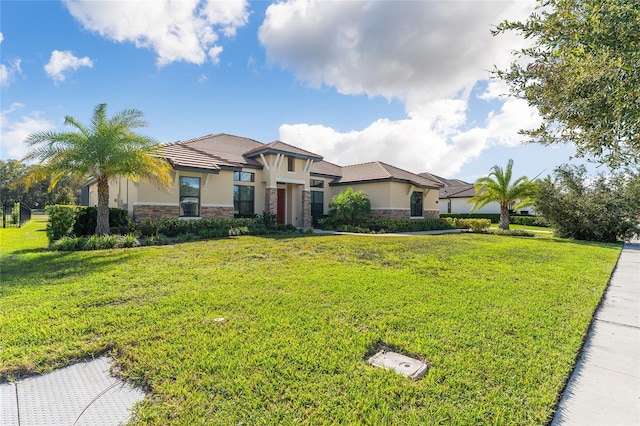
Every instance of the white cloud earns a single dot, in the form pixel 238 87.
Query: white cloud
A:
pixel 64 61
pixel 1 37
pixel 185 30
pixel 496 89
pixel 427 54
pixel 15 131
pixel 8 73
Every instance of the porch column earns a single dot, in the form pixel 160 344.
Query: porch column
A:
pixel 271 200
pixel 306 208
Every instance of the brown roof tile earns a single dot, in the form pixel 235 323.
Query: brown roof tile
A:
pixel 226 149
pixel 281 147
pixel 378 170
pixel 326 168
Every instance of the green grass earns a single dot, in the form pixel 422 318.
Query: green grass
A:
pixel 540 229
pixel 499 318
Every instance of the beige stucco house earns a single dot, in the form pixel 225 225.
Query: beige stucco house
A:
pixel 455 196
pixel 225 176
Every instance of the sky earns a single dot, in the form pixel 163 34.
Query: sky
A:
pixel 403 82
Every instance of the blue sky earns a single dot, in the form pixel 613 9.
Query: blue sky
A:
pixel 404 82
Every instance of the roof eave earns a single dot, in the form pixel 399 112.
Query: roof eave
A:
pixel 267 151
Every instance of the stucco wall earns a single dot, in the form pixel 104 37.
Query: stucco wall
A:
pixel 460 206
pixel 276 171
pixel 392 199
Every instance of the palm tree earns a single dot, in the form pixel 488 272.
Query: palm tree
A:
pixel 498 187
pixel 105 149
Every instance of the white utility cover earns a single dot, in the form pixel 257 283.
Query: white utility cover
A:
pixel 410 367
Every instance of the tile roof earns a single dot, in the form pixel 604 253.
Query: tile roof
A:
pixel 453 188
pixel 215 152
pixel 280 147
pixel 326 168
pixel 221 149
pixel 377 170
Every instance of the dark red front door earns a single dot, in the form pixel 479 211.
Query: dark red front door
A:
pixel 281 196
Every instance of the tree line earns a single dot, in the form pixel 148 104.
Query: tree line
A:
pixel 13 187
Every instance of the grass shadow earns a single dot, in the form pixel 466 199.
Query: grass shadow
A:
pixel 34 267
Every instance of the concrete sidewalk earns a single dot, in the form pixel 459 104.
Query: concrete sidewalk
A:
pixel 604 388
pixel 81 394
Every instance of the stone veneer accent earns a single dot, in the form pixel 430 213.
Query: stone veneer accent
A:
pixel 390 214
pixel 434 214
pixel 151 212
pixel 401 214
pixel 271 200
pixel 154 212
pixel 306 208
pixel 207 212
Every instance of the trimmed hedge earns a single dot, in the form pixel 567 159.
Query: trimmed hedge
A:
pixel 61 221
pixel 80 221
pixel 416 225
pixel 87 219
pixel 514 219
pixel 493 217
pixel 212 228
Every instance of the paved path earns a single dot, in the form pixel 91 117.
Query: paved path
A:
pixel 604 388
pixel 81 394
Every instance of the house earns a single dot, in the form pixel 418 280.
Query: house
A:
pixel 455 194
pixel 225 176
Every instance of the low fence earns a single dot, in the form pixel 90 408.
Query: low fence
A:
pixel 15 214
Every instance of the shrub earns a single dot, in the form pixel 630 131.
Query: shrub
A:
pixel 15 214
pixel 528 221
pixel 355 229
pixel 473 224
pixel 268 220
pixel 213 233
pixel 68 244
pixel 606 208
pixel 509 232
pixel 61 221
pixel 157 240
pixel 242 230
pixel 185 238
pixel 87 218
pixel 127 241
pixel 100 242
pixel 350 207
pixel 494 218
pixel 326 223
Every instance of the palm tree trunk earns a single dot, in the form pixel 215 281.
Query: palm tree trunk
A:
pixel 504 217
pixel 102 225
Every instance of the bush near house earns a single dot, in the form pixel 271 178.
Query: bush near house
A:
pixel 495 218
pixel 80 221
pixel 408 225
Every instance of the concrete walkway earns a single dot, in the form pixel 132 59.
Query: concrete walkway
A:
pixel 604 388
pixel 81 394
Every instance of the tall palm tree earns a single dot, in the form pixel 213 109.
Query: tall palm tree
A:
pixel 105 149
pixel 499 187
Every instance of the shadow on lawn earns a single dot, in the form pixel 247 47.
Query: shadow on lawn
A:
pixel 21 269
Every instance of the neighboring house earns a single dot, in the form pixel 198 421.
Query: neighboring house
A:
pixel 225 176
pixel 455 195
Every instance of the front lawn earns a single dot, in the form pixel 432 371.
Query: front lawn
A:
pixel 500 319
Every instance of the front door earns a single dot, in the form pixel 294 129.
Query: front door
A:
pixel 281 205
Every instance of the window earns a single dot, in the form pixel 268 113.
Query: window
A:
pixel 316 183
pixel 416 204
pixel 189 196
pixel 317 203
pixel 243 197
pixel 291 164
pixel 243 177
